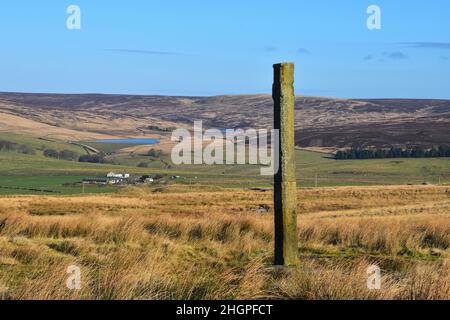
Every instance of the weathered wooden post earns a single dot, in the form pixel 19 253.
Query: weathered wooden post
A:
pixel 285 191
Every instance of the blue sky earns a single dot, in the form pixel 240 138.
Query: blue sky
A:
pixel 226 47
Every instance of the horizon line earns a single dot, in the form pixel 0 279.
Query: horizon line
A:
pixel 208 95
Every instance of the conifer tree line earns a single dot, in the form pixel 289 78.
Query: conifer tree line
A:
pixel 409 152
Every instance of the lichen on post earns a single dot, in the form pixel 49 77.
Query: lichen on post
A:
pixel 285 190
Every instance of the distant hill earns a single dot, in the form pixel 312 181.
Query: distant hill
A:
pixel 320 122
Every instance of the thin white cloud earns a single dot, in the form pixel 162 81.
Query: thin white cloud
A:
pixel 427 45
pixel 149 52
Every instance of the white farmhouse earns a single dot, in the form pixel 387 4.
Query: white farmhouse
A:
pixel 149 180
pixel 113 175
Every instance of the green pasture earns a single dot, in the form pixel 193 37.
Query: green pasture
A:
pixel 36 174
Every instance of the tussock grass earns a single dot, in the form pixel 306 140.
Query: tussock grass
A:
pixel 213 245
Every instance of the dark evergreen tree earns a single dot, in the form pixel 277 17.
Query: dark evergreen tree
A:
pixel 408 152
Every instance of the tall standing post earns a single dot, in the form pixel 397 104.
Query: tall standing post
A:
pixel 285 191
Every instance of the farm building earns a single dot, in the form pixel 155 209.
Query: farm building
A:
pixel 111 178
pixel 125 178
pixel 113 175
pixel 149 180
pixel 117 178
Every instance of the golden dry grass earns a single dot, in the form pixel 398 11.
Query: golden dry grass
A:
pixel 213 245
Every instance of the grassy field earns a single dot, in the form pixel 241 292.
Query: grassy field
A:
pixel 200 236
pixel 39 144
pixel 59 185
pixel 16 170
pixel 106 146
pixel 213 245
